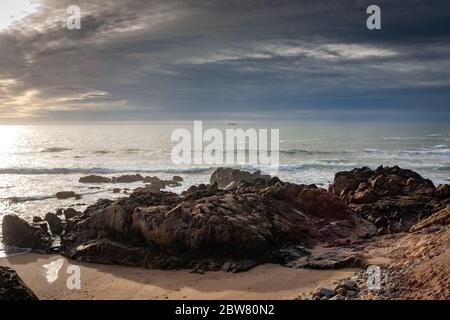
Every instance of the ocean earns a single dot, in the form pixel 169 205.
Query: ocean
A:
pixel 36 161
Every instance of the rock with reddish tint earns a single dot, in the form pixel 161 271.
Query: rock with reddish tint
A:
pixel 441 217
pixel 208 227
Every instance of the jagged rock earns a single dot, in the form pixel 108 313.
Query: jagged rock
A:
pixel 55 223
pixel 116 190
pixel 17 232
pixel 94 179
pixel 66 195
pixel 12 287
pixel 37 219
pixel 441 217
pixel 390 197
pixel 252 223
pixel 177 178
pixel 226 176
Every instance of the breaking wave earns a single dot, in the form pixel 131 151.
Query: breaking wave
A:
pixel 100 170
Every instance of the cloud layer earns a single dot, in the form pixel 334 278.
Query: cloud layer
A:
pixel 203 59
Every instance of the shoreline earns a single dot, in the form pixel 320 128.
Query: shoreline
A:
pixel 159 245
pixel 110 282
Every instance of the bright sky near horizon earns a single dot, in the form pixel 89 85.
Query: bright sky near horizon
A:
pixel 215 59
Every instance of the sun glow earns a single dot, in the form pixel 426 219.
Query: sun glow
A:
pixel 9 137
pixel 12 11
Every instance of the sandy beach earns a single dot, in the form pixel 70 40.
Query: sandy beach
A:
pixel 117 282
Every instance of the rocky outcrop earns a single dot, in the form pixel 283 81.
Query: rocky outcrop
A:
pixel 12 287
pixel 390 197
pixel 19 233
pixel 206 228
pixel 229 177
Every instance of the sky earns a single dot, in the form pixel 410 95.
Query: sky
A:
pixel 135 60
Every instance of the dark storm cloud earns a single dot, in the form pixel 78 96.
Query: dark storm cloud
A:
pixel 136 60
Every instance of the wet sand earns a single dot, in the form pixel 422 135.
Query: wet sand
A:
pixel 117 282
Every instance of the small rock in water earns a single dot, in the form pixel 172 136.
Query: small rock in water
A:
pixel 94 179
pixel 65 195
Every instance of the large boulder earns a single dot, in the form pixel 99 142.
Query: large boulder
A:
pixel 390 197
pixel 12 287
pixel 19 233
pixel 251 223
pixel 228 177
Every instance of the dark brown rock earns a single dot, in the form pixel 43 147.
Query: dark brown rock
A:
pixel 65 195
pixel 226 177
pixel 70 213
pixel 94 179
pixel 17 232
pixel 12 287
pixel 392 198
pixel 443 191
pixel 55 223
pixel 128 178
pixel 208 227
